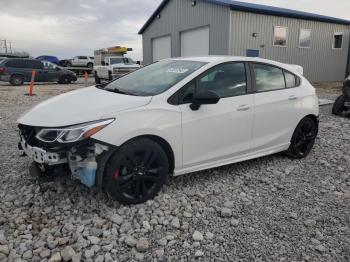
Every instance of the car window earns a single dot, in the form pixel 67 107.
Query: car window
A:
pixel 33 64
pixel 186 93
pixel 49 65
pixel 268 78
pixel 226 80
pixel 15 63
pixel 291 80
pixel 82 57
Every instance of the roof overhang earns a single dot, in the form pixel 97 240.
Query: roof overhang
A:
pixel 257 9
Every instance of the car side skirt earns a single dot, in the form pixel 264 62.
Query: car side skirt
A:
pixel 236 159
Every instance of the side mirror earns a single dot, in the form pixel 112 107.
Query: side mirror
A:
pixel 103 63
pixel 204 97
pixel 57 68
pixel 107 64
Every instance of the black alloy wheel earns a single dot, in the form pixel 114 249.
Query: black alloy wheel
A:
pixel 137 171
pixel 303 139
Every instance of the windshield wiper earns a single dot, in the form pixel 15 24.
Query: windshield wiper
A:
pixel 119 91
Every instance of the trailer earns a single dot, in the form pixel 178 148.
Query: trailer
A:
pixel 79 70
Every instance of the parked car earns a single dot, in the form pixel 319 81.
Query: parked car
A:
pixel 81 61
pixel 113 67
pixel 52 59
pixel 17 71
pixel 171 118
pixel 342 103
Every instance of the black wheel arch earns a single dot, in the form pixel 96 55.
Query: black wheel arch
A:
pixel 106 156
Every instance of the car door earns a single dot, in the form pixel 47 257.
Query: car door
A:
pixel 221 131
pixel 50 72
pixel 277 106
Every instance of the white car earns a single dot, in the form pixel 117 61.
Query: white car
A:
pixel 173 117
pixel 83 61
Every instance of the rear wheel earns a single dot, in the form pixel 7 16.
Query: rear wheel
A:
pixel 338 107
pixel 16 80
pixel 137 171
pixel 303 139
pixel 66 80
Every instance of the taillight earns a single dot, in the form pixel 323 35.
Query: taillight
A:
pixel 2 70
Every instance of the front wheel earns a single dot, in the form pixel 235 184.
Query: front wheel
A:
pixel 303 139
pixel 137 171
pixel 66 80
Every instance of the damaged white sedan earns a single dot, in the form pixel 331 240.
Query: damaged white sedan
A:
pixel 171 118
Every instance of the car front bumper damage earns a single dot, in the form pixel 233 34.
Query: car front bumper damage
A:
pixel 85 161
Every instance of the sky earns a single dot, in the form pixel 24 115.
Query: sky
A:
pixel 66 28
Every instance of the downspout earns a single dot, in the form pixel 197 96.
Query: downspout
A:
pixel 347 72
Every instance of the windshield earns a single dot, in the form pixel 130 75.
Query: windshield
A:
pixel 116 60
pixel 154 79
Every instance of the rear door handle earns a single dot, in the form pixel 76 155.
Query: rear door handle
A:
pixel 243 108
pixel 293 98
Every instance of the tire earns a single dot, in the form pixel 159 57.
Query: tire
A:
pixel 16 80
pixel 65 80
pixel 303 139
pixel 110 77
pixel 136 172
pixel 338 107
pixel 90 65
pixel 97 79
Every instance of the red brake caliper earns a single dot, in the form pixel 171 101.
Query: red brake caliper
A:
pixel 116 174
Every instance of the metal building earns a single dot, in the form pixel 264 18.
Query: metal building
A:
pixel 223 27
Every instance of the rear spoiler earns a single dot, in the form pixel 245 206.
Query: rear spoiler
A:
pixel 299 69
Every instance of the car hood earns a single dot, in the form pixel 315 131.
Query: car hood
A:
pixel 80 106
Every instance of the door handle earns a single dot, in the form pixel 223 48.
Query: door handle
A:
pixel 293 98
pixel 243 108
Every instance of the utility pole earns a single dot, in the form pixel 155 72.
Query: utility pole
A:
pixel 5 41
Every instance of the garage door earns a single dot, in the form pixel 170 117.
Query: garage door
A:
pixel 195 42
pixel 161 48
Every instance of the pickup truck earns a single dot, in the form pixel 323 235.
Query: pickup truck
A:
pixel 114 67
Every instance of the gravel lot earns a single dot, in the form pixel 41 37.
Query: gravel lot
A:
pixel 269 209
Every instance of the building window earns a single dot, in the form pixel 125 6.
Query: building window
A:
pixel 305 38
pixel 337 40
pixel 280 36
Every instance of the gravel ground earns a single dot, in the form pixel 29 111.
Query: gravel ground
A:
pixel 269 209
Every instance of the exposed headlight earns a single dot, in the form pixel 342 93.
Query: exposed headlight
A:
pixel 72 133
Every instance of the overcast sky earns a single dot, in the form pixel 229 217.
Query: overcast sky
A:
pixel 78 27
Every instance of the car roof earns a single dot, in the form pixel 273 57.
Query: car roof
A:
pixel 223 59
pixel 217 59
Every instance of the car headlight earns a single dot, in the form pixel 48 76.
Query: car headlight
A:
pixel 72 133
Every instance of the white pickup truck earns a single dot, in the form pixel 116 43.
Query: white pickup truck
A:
pixel 113 67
